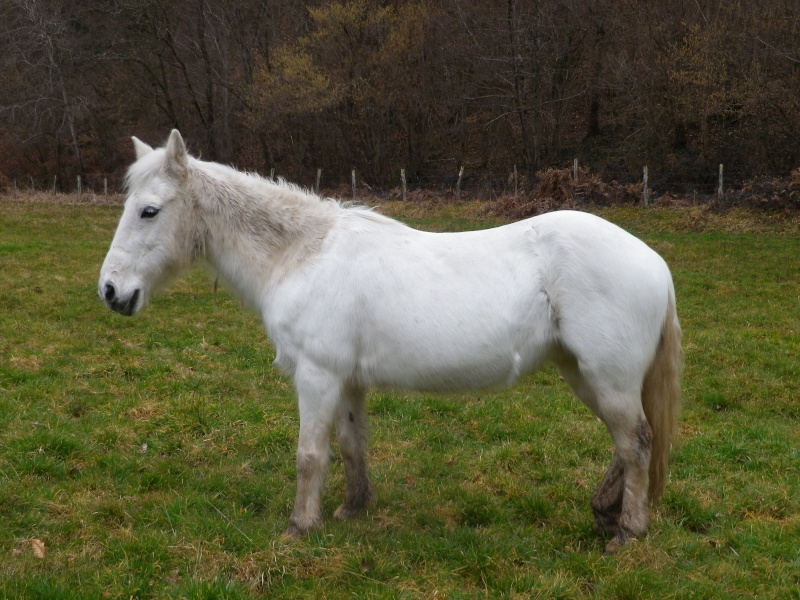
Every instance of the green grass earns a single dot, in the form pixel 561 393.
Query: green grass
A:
pixel 154 456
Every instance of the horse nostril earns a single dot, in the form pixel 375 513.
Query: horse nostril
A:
pixel 110 292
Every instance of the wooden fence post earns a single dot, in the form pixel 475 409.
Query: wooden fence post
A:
pixel 272 174
pixel 575 170
pixel 719 187
pixel 55 180
pixel 319 176
pixel 515 181
pixel 645 194
pixel 403 182
pixel 353 177
pixel 458 184
pixel 79 185
pixel 105 187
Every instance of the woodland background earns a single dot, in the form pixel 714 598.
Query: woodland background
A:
pixel 423 85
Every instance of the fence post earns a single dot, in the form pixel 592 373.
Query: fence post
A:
pixel 272 174
pixel 105 187
pixel 719 188
pixel 575 170
pixel 55 180
pixel 458 184
pixel 79 185
pixel 515 180
pixel 353 177
pixel 33 184
pixel 645 194
pixel 319 176
pixel 403 182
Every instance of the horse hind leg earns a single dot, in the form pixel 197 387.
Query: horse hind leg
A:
pixel 620 504
pixel 352 437
pixel 628 491
pixel 607 500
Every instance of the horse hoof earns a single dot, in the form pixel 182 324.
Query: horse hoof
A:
pixel 345 512
pixel 293 532
pixel 617 543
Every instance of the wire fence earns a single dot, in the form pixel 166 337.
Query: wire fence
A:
pixel 476 184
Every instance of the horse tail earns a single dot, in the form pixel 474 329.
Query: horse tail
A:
pixel 661 397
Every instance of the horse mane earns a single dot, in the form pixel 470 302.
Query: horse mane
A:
pixel 256 188
pixel 297 201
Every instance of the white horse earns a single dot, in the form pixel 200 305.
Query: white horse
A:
pixel 352 300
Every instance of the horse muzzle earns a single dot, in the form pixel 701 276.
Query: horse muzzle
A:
pixel 123 305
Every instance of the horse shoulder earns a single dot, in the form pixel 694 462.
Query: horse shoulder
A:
pixel 309 314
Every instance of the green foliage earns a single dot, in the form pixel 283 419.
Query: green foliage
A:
pixel 153 457
pixel 292 85
pixel 343 59
pixel 358 66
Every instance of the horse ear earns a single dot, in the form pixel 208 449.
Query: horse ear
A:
pixel 177 157
pixel 141 148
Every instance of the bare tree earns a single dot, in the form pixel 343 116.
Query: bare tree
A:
pixel 425 85
pixel 41 62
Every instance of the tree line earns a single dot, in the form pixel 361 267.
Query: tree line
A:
pixel 424 85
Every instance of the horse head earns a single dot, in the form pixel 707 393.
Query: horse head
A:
pixel 154 240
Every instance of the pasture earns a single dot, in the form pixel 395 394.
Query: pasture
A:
pixel 153 457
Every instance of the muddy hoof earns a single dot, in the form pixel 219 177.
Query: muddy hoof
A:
pixel 345 512
pixel 618 542
pixel 293 532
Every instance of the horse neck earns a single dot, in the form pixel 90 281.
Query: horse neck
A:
pixel 258 232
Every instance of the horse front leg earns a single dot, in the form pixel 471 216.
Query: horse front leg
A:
pixel 318 397
pixel 352 436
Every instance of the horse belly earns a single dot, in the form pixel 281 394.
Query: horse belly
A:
pixel 459 350
pixel 449 373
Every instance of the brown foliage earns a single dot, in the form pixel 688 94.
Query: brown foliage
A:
pixel 556 189
pixel 767 193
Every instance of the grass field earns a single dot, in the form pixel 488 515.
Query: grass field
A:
pixel 153 457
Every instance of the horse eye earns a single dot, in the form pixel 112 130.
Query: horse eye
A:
pixel 149 212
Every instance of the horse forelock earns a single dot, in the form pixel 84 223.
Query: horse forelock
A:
pixel 144 170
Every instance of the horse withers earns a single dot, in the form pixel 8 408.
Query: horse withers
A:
pixel 352 300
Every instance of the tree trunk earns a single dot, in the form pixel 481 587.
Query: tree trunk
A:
pixel 209 82
pixel 518 84
pixel 73 133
